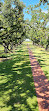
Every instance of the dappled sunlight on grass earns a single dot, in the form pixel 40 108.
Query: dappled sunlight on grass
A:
pixel 17 88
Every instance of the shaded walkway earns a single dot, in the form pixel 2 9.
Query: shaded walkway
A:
pixel 41 83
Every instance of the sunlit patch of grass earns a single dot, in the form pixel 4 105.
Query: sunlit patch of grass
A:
pixel 17 90
pixel 31 102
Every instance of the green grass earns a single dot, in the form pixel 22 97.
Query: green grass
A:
pixel 42 57
pixel 17 88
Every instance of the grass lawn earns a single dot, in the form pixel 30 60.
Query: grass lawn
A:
pixel 42 57
pixel 17 89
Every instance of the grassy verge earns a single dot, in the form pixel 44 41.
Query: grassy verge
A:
pixel 17 89
pixel 42 57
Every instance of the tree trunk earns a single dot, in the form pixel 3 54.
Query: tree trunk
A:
pixel 5 48
pixel 33 43
pixel 46 47
pixel 11 47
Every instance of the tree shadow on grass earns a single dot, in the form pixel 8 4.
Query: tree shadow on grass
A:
pixel 41 60
pixel 17 88
pixel 41 64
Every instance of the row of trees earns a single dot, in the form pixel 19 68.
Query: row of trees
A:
pixel 12 31
pixel 38 29
pixel 42 1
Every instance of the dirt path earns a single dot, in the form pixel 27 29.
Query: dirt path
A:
pixel 41 83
